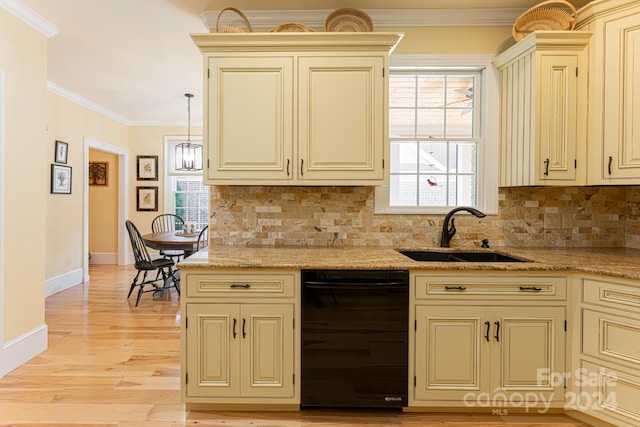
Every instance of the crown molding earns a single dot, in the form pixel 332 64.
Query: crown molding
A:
pixel 29 17
pixel 71 96
pixel 315 18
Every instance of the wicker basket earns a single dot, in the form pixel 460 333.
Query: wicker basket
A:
pixel 292 27
pixel 347 19
pixel 542 17
pixel 232 28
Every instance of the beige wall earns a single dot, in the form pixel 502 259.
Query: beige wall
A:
pixel 103 207
pixel 149 141
pixel 23 55
pixel 70 122
pixel 452 40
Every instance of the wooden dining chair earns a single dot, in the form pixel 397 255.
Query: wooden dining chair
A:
pixel 166 277
pixel 203 238
pixel 168 222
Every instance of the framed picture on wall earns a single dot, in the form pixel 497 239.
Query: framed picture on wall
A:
pixel 61 152
pixel 147 168
pixel 147 198
pixel 98 173
pixel 60 179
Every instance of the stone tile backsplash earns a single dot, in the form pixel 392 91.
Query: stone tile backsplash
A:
pixel 607 216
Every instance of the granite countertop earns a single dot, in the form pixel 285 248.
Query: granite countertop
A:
pixel 622 263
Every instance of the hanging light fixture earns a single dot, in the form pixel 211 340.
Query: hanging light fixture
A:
pixel 188 155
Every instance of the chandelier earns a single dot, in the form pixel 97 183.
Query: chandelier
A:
pixel 188 155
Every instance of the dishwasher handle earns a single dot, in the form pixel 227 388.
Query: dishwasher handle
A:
pixel 341 284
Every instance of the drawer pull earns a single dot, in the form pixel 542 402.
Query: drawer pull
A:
pixel 244 332
pixel 238 285
pixel 455 288
pixel 488 325
pixel 234 327
pixel 546 167
pixel 497 331
pixel 530 288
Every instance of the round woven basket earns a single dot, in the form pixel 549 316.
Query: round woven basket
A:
pixel 542 17
pixel 292 27
pixel 233 28
pixel 348 19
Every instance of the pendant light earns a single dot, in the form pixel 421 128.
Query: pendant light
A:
pixel 188 155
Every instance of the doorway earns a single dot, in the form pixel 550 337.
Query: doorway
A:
pixel 123 199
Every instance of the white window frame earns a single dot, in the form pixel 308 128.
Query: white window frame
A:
pixel 487 151
pixel 170 169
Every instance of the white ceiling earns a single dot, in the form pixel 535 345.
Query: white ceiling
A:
pixel 134 59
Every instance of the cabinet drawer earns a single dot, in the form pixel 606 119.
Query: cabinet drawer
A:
pixel 615 295
pixel 490 287
pixel 248 284
pixel 615 338
pixel 610 393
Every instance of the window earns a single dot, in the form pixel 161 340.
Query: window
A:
pixel 438 141
pixel 185 194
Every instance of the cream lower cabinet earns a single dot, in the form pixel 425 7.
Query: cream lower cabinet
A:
pixel 240 344
pixel 240 350
pixel 477 346
pixel 614 90
pixel 296 108
pixel 607 383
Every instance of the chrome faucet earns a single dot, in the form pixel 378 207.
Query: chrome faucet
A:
pixel 449 231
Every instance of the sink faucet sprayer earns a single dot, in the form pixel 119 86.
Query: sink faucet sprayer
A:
pixel 449 231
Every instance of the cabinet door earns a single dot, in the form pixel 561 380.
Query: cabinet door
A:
pixel 621 99
pixel 557 124
pixel 250 118
pixel 529 352
pixel 267 350
pixel 213 350
pixel 452 353
pixel 342 116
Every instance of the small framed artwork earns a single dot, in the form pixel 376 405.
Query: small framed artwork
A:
pixel 60 179
pixel 147 198
pixel 147 168
pixel 61 152
pixel 98 173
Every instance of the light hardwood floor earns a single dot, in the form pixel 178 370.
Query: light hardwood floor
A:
pixel 110 364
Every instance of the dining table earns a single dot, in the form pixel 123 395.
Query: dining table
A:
pixel 172 240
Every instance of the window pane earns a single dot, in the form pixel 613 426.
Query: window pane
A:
pixel 403 190
pixel 431 123
pixel 459 123
pixel 433 157
pixel 433 195
pixel 402 123
pixel 433 107
pixel 466 190
pixel 462 157
pixel 402 91
pixel 404 157
pixel 431 91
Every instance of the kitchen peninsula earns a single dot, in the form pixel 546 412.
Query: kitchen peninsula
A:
pixel 513 328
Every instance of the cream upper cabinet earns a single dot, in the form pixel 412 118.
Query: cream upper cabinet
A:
pixel 296 108
pixel 543 80
pixel 614 90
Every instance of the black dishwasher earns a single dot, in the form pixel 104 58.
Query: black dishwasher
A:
pixel 355 338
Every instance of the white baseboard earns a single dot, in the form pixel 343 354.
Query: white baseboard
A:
pixel 23 348
pixel 62 282
pixel 103 258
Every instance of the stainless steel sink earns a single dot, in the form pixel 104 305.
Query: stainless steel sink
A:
pixel 456 256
